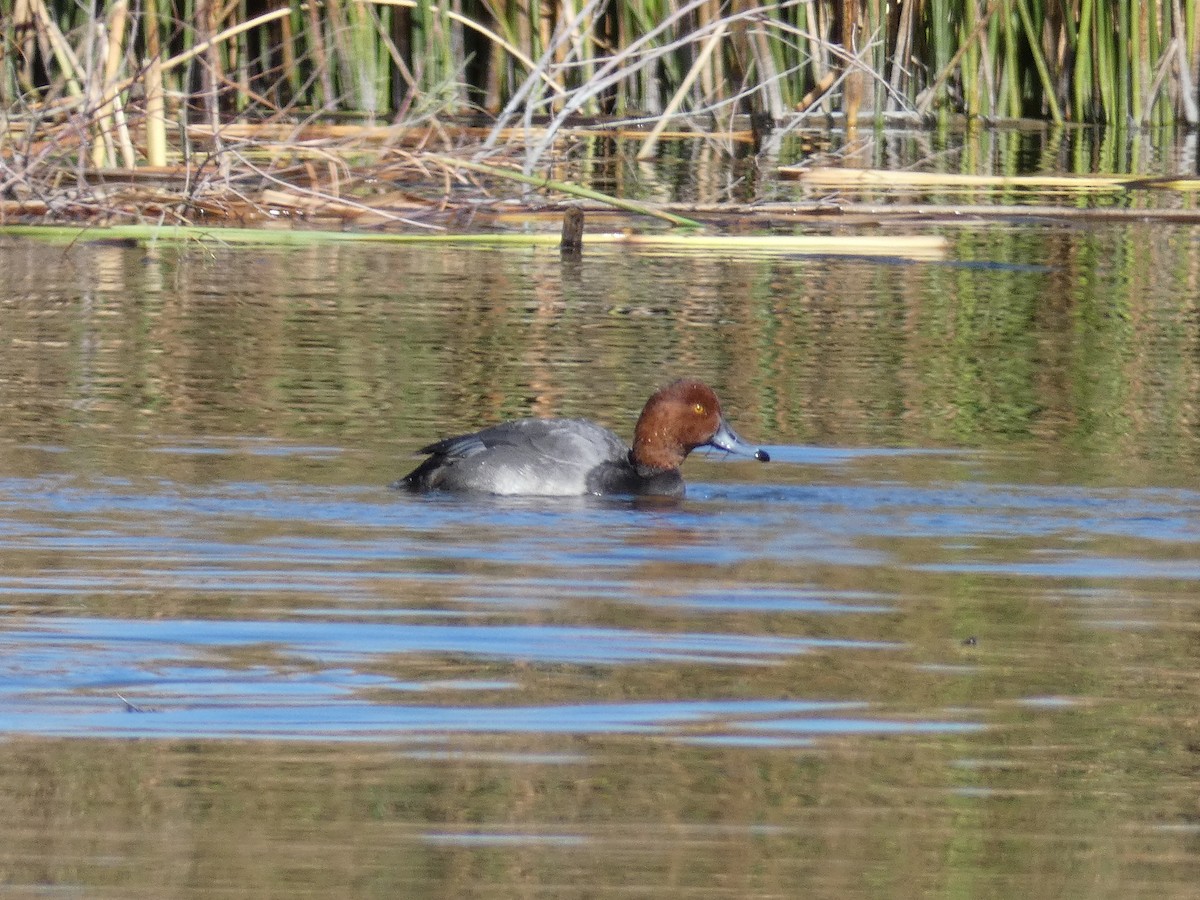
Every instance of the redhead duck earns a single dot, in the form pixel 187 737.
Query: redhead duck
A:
pixel 568 457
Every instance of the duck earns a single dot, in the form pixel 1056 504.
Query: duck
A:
pixel 574 457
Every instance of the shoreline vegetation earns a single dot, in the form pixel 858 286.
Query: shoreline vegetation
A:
pixel 429 116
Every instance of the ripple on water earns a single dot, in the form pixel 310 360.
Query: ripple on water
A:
pixel 350 577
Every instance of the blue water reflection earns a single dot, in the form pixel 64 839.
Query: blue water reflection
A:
pixel 352 578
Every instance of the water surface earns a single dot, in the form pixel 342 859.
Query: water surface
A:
pixel 945 643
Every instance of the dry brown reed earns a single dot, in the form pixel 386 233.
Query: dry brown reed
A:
pixel 220 107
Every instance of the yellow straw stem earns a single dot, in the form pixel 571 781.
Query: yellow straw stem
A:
pixel 156 122
pixel 914 247
pixel 647 148
pixel 831 178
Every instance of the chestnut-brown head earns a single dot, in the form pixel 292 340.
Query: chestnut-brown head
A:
pixel 679 418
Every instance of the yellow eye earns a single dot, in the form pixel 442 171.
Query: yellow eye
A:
pixel 698 409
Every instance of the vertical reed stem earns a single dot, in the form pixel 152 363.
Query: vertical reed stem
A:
pixel 156 125
pixel 1039 60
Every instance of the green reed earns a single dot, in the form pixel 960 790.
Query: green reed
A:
pixel 1120 62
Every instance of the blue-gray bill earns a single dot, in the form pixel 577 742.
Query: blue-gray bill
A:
pixel 727 439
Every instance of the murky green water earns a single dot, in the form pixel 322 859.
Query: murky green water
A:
pixel 945 644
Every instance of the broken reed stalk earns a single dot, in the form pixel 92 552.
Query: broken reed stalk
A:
pixel 571 241
pixel 563 187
